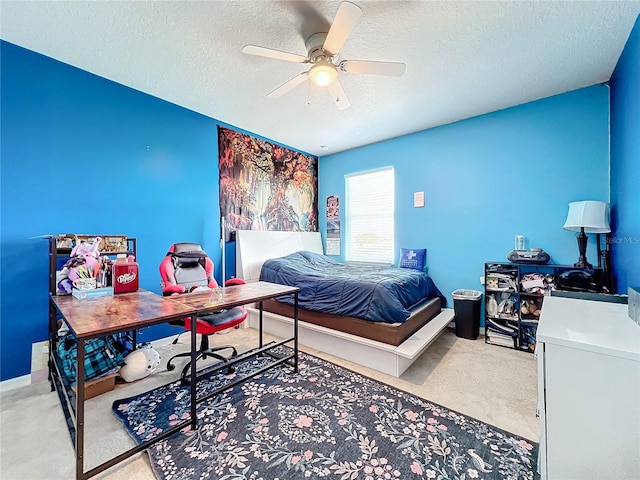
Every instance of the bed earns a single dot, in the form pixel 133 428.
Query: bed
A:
pixel 384 304
pixel 396 315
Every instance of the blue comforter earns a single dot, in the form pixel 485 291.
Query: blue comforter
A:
pixel 371 293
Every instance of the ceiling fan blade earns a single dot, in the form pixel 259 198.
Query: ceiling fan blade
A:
pixel 390 69
pixel 289 85
pixel 338 95
pixel 346 18
pixel 271 53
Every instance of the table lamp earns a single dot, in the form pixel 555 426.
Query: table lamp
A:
pixel 587 217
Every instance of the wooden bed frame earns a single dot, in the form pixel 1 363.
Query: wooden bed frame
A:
pixel 391 333
pixel 254 247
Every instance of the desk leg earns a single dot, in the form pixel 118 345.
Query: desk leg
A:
pixel 53 329
pixel 260 325
pixel 80 410
pixel 193 383
pixel 295 332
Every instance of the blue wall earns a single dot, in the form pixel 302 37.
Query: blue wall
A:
pixel 82 154
pixel 625 165
pixel 489 178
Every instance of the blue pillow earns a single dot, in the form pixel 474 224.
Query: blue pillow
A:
pixel 413 258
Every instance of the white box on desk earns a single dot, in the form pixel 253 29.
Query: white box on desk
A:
pixel 93 293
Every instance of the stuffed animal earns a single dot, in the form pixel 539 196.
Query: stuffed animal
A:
pixel 64 285
pixel 139 364
pixel 84 259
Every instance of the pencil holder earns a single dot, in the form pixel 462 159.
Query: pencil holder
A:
pixel 85 283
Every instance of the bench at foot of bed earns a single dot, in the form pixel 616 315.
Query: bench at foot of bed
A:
pixel 385 358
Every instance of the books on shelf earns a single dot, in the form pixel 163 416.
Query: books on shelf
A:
pixel 500 339
pixel 505 330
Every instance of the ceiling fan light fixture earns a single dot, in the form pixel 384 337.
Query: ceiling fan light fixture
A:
pixel 323 73
pixel 323 55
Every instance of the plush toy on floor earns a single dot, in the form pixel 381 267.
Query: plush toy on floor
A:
pixel 139 364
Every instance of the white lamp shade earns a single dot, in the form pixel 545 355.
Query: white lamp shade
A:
pixel 591 215
pixel 323 73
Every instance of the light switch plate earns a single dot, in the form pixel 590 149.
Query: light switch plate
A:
pixel 418 199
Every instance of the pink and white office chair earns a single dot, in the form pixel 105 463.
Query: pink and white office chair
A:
pixel 187 268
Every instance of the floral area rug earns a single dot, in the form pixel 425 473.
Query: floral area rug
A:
pixel 324 422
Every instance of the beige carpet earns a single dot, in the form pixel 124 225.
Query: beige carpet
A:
pixel 493 384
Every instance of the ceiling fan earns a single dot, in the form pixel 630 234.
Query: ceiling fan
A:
pixel 322 53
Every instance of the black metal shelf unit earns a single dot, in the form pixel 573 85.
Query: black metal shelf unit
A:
pixel 514 293
pixel 57 257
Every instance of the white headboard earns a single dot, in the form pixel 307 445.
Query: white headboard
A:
pixel 254 247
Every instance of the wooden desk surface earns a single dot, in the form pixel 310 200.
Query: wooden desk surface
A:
pixel 126 311
pixel 233 296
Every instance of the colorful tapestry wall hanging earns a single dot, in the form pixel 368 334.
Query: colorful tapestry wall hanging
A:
pixel 264 186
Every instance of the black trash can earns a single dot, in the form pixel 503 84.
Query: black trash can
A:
pixel 466 304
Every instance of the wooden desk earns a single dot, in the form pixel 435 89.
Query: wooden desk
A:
pixel 101 316
pixel 237 295
pixel 97 317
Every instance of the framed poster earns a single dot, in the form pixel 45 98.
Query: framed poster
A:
pixel 333 207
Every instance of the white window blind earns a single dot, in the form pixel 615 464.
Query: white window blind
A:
pixel 370 216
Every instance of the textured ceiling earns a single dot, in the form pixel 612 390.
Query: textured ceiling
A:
pixel 463 58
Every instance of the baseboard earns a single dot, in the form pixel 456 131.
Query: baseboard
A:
pixel 14 383
pixel 41 374
pixel 39 368
pixel 25 380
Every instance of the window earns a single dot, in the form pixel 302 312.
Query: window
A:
pixel 370 216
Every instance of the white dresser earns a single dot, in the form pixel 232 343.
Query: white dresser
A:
pixel 588 391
